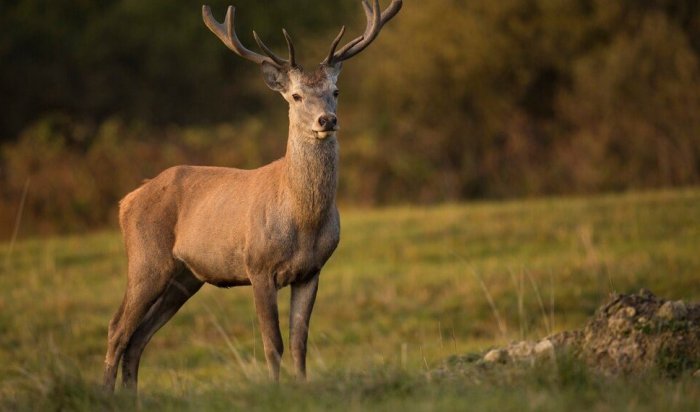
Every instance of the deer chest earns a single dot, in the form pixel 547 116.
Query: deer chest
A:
pixel 290 254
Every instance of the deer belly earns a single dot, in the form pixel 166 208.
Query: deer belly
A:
pixel 222 269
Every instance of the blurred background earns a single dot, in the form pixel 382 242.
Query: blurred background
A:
pixel 455 100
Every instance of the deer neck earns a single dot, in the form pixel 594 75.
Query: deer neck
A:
pixel 311 175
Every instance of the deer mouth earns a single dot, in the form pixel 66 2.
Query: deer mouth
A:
pixel 323 134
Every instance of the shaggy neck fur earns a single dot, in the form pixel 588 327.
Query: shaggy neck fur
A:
pixel 312 175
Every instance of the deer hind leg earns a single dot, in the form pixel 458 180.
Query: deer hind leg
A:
pixel 114 331
pixel 146 282
pixel 180 288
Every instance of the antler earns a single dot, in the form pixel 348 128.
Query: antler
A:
pixel 376 19
pixel 227 34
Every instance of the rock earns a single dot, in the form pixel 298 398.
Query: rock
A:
pixel 569 339
pixel 496 356
pixel 544 348
pixel 521 350
pixel 676 310
pixel 646 293
pixel 628 334
pixel 633 333
pixel 629 311
pixel 618 324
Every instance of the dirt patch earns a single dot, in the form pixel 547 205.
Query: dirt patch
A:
pixel 627 334
pixel 632 333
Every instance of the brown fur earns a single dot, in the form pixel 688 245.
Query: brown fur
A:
pixel 269 228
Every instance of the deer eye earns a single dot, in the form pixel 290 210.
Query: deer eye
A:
pixel 296 97
pixel 336 93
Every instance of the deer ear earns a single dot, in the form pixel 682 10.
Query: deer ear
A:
pixel 275 78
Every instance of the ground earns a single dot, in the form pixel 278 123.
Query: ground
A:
pixel 409 291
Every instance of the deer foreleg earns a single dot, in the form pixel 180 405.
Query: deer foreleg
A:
pixel 303 298
pixel 265 297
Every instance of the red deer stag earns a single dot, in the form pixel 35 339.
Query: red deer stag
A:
pixel 269 227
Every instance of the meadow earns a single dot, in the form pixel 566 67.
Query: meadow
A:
pixel 408 289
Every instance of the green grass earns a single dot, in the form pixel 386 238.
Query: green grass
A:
pixel 408 288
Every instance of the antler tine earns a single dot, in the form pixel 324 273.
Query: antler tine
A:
pixel 371 33
pixel 290 48
pixel 371 12
pixel 217 28
pixel 373 15
pixel 375 21
pixel 334 45
pixel 227 34
pixel 278 60
pixel 340 55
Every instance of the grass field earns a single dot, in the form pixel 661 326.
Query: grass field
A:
pixel 407 288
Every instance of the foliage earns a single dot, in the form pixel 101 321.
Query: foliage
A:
pixel 72 185
pixel 456 99
pixel 154 62
pixel 529 97
pixel 404 292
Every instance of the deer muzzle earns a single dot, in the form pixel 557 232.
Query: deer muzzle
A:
pixel 326 125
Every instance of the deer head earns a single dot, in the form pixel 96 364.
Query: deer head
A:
pixel 312 96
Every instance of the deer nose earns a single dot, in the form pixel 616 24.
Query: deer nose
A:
pixel 328 121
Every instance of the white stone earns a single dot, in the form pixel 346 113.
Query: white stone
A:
pixel 544 347
pixel 496 355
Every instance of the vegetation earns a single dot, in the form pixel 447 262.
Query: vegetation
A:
pixel 457 100
pixel 407 289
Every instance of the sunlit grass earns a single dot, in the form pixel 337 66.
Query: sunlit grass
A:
pixel 407 288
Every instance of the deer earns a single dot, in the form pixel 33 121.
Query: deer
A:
pixel 268 228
